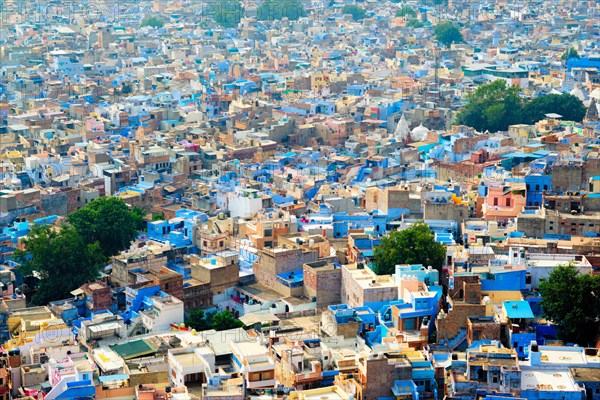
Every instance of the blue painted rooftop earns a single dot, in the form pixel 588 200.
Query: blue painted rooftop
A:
pixel 518 309
pixel 296 276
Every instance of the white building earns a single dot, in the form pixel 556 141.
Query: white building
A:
pixel 244 203
pixel 190 365
pixel 252 360
pixel 540 266
pixel 165 310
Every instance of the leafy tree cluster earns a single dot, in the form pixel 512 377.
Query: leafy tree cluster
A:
pixel 495 106
pixel 271 10
pixel 152 21
pixel 415 245
pixel 569 53
pixel 357 12
pixel 447 33
pixel 572 301
pixel 404 11
pixel 219 321
pixel 64 259
pixel 567 105
pixel 61 259
pixel 414 23
pixel 158 217
pixel 226 13
pixel 108 221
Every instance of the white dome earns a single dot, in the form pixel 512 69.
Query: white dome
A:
pixel 419 133
pixel 577 92
pixel 595 94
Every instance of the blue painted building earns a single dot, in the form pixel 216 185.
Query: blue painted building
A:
pixel 177 231
pixel 521 333
pixel 536 184
pixel 405 390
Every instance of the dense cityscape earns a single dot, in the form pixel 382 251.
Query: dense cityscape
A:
pixel 300 200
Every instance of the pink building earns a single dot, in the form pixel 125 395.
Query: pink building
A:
pixel 502 203
pixel 94 125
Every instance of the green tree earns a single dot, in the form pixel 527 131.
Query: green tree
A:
pixel 226 13
pixel 414 23
pixel 196 319
pixel 158 217
pixel 138 213
pixel 357 12
pixel 108 221
pixel 406 10
pixel 447 33
pixel 567 105
pixel 569 53
pixel 572 301
pixel 60 259
pixel 492 107
pixel 271 10
pixel 224 320
pixel 152 21
pixel 415 245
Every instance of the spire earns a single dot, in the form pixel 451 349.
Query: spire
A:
pixel 592 112
pixel 402 130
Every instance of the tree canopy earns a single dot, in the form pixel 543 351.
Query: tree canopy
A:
pixel 406 10
pixel 224 320
pixel 152 21
pixel 158 217
pixel 196 319
pixel 414 23
pixel 567 105
pixel 495 106
pixel 492 107
pixel 226 13
pixel 108 221
pixel 447 33
pixel 271 10
pixel 415 245
pixel 572 301
pixel 357 12
pixel 569 53
pixel 60 259
pixel 219 321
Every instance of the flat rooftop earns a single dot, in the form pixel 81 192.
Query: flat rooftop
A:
pixel 562 356
pixel 586 374
pixel 548 380
pixel 188 359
